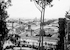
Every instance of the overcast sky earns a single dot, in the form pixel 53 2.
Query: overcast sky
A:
pixel 28 10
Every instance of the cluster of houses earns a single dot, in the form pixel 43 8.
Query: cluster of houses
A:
pixel 32 28
pixel 28 30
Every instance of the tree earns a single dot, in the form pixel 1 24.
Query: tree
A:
pixel 61 23
pixel 68 31
pixel 3 17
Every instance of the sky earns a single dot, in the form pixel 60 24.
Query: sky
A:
pixel 25 9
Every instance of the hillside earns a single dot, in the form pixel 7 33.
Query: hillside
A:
pixel 50 26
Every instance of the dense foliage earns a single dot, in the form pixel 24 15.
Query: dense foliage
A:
pixel 3 17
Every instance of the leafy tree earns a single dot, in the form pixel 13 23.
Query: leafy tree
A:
pixel 3 17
